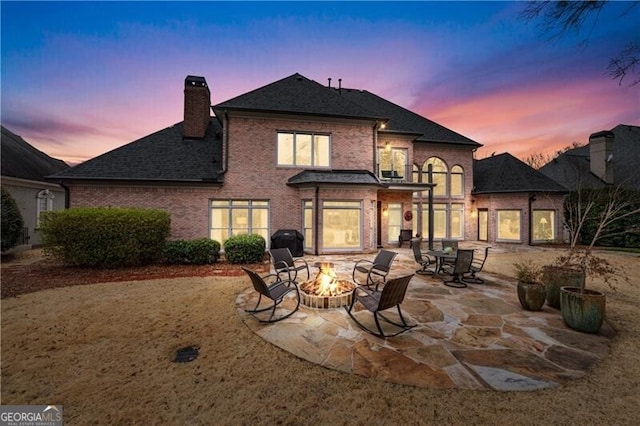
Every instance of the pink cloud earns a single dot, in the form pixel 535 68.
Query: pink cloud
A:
pixel 542 118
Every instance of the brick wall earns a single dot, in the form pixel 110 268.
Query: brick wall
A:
pixel 188 206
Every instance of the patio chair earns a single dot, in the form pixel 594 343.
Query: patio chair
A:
pixel 476 266
pixel 275 292
pixel 376 301
pixel 283 262
pixel 379 268
pixel 461 266
pixel 422 259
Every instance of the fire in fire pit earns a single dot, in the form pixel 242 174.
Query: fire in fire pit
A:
pixel 326 291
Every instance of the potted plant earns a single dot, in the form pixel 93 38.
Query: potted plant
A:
pixel 592 214
pixel 584 309
pixel 531 290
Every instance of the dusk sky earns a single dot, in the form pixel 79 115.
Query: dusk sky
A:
pixel 82 78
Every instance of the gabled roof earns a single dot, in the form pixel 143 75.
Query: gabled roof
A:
pixel 161 156
pixel 402 120
pixel 504 173
pixel 353 177
pixel 573 167
pixel 22 160
pixel 297 94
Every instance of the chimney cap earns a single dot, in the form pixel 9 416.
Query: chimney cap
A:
pixel 193 80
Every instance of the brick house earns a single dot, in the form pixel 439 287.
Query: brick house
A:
pixel 346 168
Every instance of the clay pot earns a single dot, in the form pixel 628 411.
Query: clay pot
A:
pixel 582 310
pixel 556 277
pixel 531 295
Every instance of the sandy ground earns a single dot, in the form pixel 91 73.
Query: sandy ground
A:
pixel 104 351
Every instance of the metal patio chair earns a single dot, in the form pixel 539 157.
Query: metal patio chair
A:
pixel 275 291
pixel 422 259
pixel 376 301
pixel 378 269
pixel 476 266
pixel 283 262
pixel 461 266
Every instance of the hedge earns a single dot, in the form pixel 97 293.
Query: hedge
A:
pixel 105 237
pixel 198 252
pixel 245 248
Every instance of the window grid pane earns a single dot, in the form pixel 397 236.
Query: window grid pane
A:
pixel 303 149
pixel 341 224
pixel 509 225
pixel 235 217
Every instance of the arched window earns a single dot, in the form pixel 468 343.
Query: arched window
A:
pixel 44 202
pixel 439 168
pixel 457 181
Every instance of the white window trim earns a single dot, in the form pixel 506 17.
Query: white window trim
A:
pixel 303 166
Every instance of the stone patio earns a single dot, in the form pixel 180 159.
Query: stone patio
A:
pixel 471 338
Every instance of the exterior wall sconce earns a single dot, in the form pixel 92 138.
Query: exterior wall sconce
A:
pixel 474 213
pixel 385 212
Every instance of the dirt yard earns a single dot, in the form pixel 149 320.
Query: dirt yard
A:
pixel 104 351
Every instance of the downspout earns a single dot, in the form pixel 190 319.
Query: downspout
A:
pixel 532 198
pixel 67 194
pixel 225 136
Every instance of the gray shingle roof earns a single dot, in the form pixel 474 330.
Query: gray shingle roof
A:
pixel 160 156
pixel 353 177
pixel 298 95
pixel 572 168
pixel 22 160
pixel 504 173
pixel 402 120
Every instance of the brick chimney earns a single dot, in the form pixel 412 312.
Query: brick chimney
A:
pixel 601 155
pixel 197 106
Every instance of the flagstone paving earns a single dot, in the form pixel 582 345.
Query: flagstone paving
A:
pixel 471 338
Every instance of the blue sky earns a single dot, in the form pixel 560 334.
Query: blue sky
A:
pixel 82 78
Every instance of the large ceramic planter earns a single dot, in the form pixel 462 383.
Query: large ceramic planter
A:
pixel 556 277
pixel 582 310
pixel 531 295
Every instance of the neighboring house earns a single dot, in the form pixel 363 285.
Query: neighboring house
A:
pixel 23 174
pixel 611 158
pixel 514 203
pixel 346 168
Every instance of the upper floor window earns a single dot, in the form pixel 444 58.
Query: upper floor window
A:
pixel 439 174
pixel 392 162
pixel 44 202
pixel 303 149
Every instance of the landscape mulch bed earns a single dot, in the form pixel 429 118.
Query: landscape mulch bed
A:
pixel 20 279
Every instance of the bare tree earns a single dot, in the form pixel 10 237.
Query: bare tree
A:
pixel 559 17
pixel 539 159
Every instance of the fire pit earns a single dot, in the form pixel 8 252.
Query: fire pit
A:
pixel 326 291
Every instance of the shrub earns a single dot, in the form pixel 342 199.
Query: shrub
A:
pixel 12 222
pixel 199 252
pixel 244 248
pixel 105 237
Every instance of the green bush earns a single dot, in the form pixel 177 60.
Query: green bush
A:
pixel 105 237
pixel 244 248
pixel 199 252
pixel 12 222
